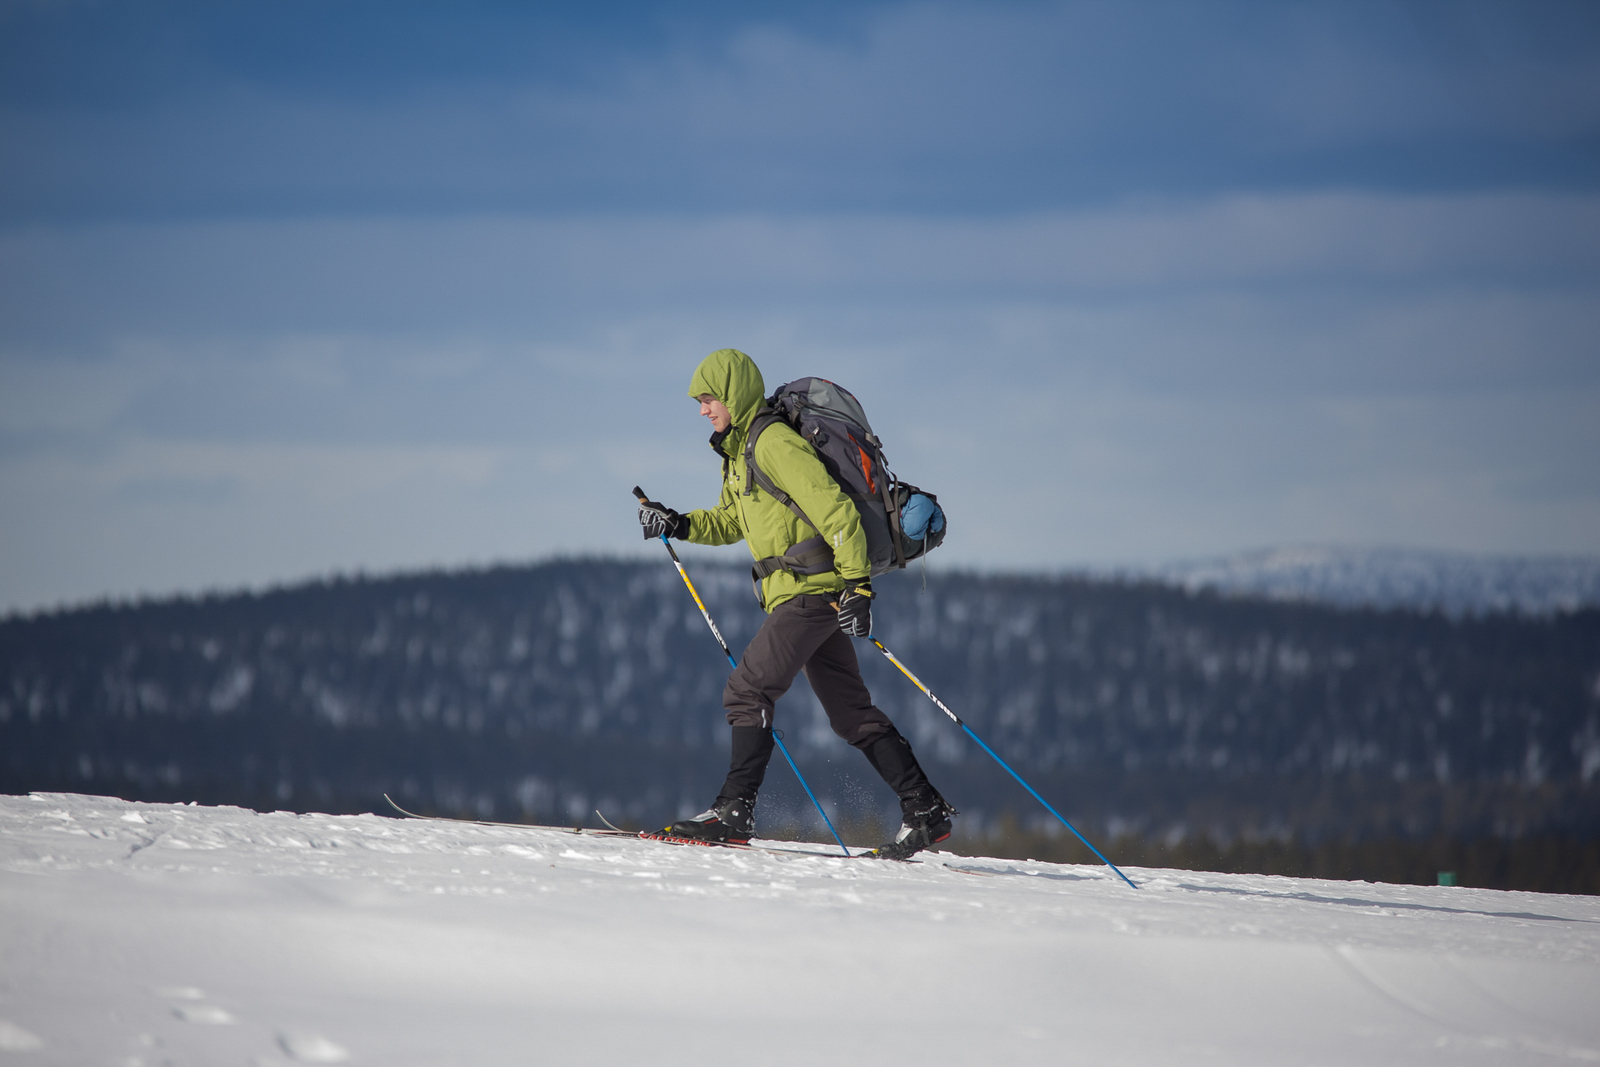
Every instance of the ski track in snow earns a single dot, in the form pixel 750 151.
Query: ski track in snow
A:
pixel 152 934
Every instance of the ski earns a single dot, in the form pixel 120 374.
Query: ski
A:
pixel 578 830
pixel 779 850
pixel 775 849
pixel 601 816
pixel 613 830
pixel 783 850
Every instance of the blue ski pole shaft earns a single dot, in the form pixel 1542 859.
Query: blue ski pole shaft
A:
pixel 1020 780
pixel 676 562
pixel 778 737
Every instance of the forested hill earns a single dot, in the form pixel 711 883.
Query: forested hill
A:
pixel 545 691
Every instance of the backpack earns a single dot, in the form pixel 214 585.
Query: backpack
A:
pixel 902 522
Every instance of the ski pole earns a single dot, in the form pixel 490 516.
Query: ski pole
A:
pixel 776 736
pixel 957 720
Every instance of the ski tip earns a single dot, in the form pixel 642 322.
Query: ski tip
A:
pixel 402 811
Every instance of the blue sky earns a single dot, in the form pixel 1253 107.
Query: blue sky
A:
pixel 295 288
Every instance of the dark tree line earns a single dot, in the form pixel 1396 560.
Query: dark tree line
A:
pixel 542 692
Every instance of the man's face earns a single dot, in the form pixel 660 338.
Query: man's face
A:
pixel 716 411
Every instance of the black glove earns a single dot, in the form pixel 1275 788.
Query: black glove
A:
pixel 855 609
pixel 658 519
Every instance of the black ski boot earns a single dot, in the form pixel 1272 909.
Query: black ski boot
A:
pixel 926 822
pixel 728 822
pixel 926 815
pixel 731 819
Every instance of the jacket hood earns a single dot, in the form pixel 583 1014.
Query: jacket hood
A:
pixel 733 378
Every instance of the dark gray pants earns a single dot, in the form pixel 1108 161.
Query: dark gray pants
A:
pixel 803 634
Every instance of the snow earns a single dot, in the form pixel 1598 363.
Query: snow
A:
pixel 147 934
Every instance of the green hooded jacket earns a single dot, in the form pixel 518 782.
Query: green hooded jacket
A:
pixel 747 513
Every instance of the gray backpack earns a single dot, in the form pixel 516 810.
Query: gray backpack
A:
pixel 902 522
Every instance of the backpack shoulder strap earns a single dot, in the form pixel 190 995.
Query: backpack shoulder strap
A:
pixel 755 475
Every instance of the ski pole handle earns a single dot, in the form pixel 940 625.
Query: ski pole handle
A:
pixel 647 502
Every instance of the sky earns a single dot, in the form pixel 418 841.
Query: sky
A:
pixel 297 289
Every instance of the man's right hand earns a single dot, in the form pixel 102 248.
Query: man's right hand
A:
pixel 855 609
pixel 658 519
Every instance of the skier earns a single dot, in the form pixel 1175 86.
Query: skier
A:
pixel 810 618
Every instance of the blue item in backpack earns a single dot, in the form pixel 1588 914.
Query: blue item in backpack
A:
pixel 921 517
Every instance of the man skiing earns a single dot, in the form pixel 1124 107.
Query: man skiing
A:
pixel 810 617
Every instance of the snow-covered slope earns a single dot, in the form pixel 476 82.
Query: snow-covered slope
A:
pixel 142 934
pixel 1457 583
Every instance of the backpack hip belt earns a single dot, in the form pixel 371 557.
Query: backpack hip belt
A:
pixel 811 556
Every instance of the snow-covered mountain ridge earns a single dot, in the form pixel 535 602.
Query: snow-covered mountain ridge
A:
pixel 145 934
pixel 1455 583
pixel 543 692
